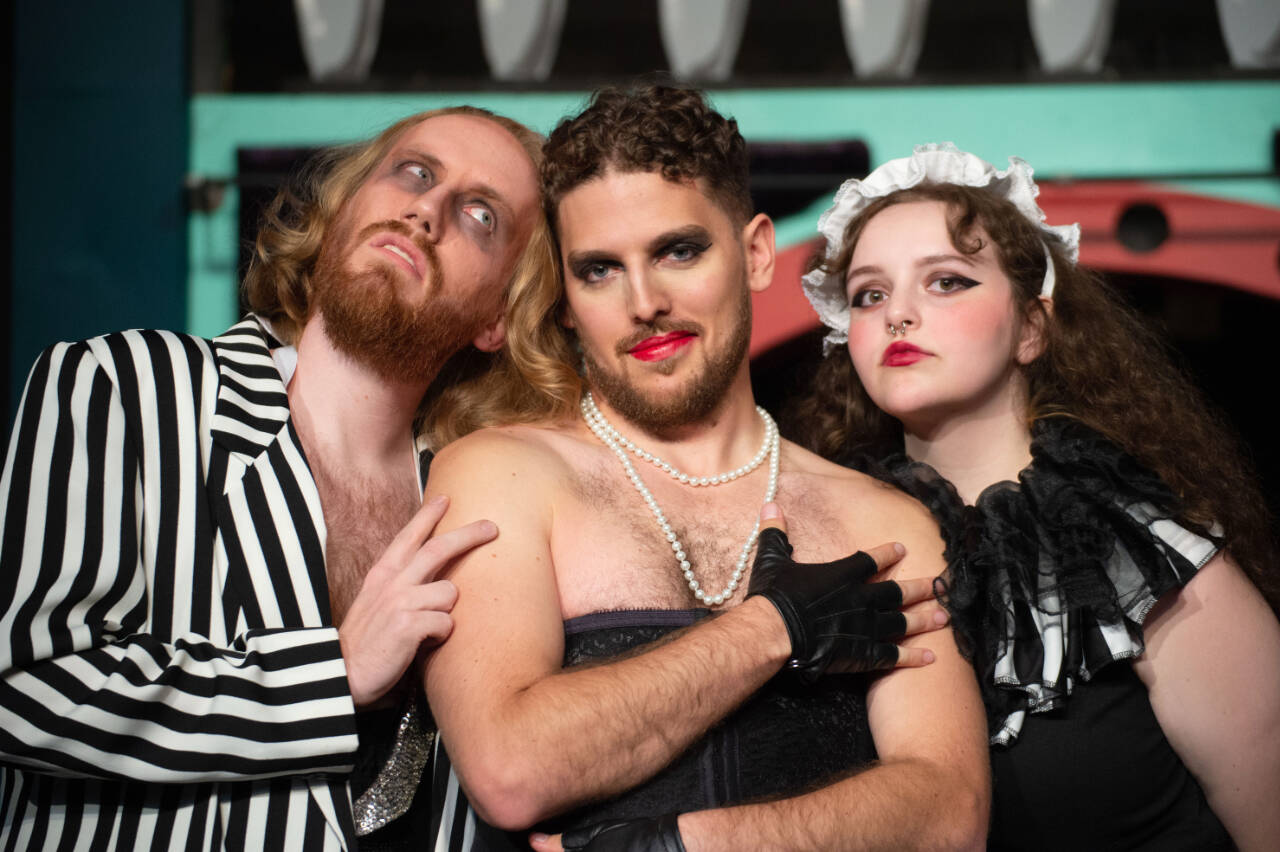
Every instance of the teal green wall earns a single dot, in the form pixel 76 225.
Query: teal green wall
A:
pixel 1132 129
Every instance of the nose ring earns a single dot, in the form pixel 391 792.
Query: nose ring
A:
pixel 894 331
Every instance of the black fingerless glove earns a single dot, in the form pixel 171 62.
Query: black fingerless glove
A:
pixel 837 621
pixel 627 835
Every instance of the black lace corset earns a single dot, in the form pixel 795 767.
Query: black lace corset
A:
pixel 784 740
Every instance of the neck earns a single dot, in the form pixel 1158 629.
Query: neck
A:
pixel 725 439
pixel 354 418
pixel 974 451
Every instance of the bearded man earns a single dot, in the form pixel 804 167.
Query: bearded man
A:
pixel 216 560
pixel 614 668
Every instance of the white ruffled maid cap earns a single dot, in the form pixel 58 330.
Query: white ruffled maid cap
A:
pixel 934 163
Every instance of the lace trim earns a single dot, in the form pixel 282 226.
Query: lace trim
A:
pixel 1051 578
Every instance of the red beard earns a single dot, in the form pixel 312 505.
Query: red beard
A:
pixel 700 397
pixel 366 319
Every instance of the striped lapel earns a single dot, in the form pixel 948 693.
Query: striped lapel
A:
pixel 269 511
pixel 252 404
pixel 269 514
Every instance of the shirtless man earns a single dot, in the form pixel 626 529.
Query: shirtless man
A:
pixel 660 251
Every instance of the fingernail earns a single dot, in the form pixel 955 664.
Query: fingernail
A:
pixel 928 656
pixel 940 618
pixel 899 549
pixel 769 511
pixel 539 838
pixel 438 500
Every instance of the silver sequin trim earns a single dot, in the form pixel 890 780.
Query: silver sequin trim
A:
pixel 393 790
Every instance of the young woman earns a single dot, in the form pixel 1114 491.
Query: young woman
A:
pixel 1111 562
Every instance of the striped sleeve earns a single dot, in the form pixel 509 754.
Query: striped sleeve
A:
pixel 107 562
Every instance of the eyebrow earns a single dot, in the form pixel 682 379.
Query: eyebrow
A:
pixel 679 235
pixel 580 259
pixel 924 261
pixel 577 259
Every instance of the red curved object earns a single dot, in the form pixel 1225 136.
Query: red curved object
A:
pixel 1226 243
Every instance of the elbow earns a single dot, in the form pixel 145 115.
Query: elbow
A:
pixel 507 794
pixel 967 817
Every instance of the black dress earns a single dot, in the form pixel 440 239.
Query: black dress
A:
pixel 1049 582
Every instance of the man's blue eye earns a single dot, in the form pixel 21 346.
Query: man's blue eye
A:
pixel 418 171
pixel 684 252
pixel 480 213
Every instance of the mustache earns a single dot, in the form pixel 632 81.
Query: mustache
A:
pixel 395 226
pixel 413 235
pixel 651 329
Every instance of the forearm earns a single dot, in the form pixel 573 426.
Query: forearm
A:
pixel 99 676
pixel 276 703
pixel 909 804
pixel 587 733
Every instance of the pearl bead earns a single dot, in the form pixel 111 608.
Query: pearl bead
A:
pixel 612 439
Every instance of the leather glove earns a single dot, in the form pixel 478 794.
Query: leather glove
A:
pixel 837 621
pixel 626 835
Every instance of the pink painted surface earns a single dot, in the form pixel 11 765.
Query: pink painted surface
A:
pixel 1227 243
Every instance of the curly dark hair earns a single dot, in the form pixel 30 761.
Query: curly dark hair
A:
pixel 650 128
pixel 1102 364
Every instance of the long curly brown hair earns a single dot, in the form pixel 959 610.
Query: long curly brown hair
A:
pixel 473 387
pixel 1102 364
pixel 277 284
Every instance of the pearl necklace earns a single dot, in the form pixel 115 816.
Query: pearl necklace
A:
pixel 610 437
pixel 593 416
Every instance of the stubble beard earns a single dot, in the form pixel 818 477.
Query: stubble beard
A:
pixel 703 392
pixel 366 319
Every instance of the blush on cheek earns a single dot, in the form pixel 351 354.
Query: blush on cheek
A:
pixel 978 322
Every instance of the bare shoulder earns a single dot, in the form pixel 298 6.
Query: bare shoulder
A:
pixel 843 486
pixel 861 509
pixel 491 455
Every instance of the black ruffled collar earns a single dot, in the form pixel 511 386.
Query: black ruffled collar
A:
pixel 1050 578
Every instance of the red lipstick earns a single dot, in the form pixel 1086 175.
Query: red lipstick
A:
pixel 661 346
pixel 901 354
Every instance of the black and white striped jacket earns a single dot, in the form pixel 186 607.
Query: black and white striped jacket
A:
pixel 168 674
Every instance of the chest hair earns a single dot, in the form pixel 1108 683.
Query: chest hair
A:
pixel 362 516
pixel 615 556
pixel 618 558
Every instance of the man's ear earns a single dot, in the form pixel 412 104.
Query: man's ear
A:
pixel 492 336
pixel 758 243
pixel 1032 342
